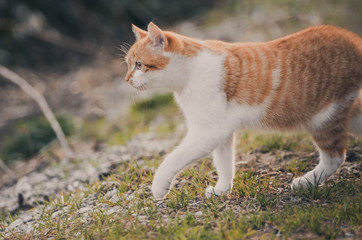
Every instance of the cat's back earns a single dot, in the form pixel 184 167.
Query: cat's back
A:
pixel 324 53
pixel 327 46
pixel 321 36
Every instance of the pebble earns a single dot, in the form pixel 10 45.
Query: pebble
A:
pixel 27 218
pixel 85 210
pixel 66 209
pixel 199 213
pixel 16 223
pixel 114 210
pixel 142 218
pixel 112 195
pixel 348 235
pixel 56 214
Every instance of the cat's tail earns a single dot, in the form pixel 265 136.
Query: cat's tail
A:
pixel 355 124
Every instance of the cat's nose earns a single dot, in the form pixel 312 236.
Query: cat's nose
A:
pixel 129 80
pixel 129 76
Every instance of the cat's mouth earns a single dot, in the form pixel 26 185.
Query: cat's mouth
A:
pixel 141 87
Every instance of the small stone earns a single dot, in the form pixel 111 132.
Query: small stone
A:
pixel 70 188
pixel 66 209
pixel 107 185
pixel 348 235
pixel 56 214
pixel 114 210
pixel 27 218
pixel 76 184
pixel 85 210
pixel 112 195
pixel 103 206
pixel 16 223
pixel 199 213
pixel 142 218
pixel 80 175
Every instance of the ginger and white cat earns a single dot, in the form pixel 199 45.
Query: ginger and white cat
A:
pixel 309 80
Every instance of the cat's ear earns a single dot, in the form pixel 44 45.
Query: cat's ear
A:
pixel 138 33
pixel 156 35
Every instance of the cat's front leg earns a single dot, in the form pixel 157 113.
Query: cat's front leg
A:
pixel 224 162
pixel 195 145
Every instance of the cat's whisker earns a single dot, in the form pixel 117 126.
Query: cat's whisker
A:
pixel 122 57
pixel 127 45
pixel 123 49
pixel 133 92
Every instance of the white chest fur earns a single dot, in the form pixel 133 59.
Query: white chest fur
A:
pixel 203 100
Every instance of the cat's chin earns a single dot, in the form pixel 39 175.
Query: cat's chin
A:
pixel 140 88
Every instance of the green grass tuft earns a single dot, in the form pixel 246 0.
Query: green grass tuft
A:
pixel 253 141
pixel 32 135
pixel 153 103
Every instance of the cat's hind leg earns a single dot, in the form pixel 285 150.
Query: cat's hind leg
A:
pixel 224 162
pixel 329 130
pixel 328 164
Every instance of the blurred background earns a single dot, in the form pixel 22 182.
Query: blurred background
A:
pixel 68 50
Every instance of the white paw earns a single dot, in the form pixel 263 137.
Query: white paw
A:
pixel 215 191
pixel 160 187
pixel 300 182
pixel 159 193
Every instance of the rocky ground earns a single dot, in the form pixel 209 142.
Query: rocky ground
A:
pixel 27 196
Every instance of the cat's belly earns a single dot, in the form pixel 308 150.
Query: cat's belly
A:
pixel 245 116
pixel 259 117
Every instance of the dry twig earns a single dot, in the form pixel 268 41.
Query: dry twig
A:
pixel 7 170
pixel 33 93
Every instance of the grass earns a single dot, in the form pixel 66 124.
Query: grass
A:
pixel 255 142
pixel 261 204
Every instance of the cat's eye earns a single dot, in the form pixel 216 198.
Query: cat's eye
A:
pixel 138 65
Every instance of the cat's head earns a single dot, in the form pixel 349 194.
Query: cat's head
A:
pixel 146 59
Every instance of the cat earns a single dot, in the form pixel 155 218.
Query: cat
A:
pixel 309 80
